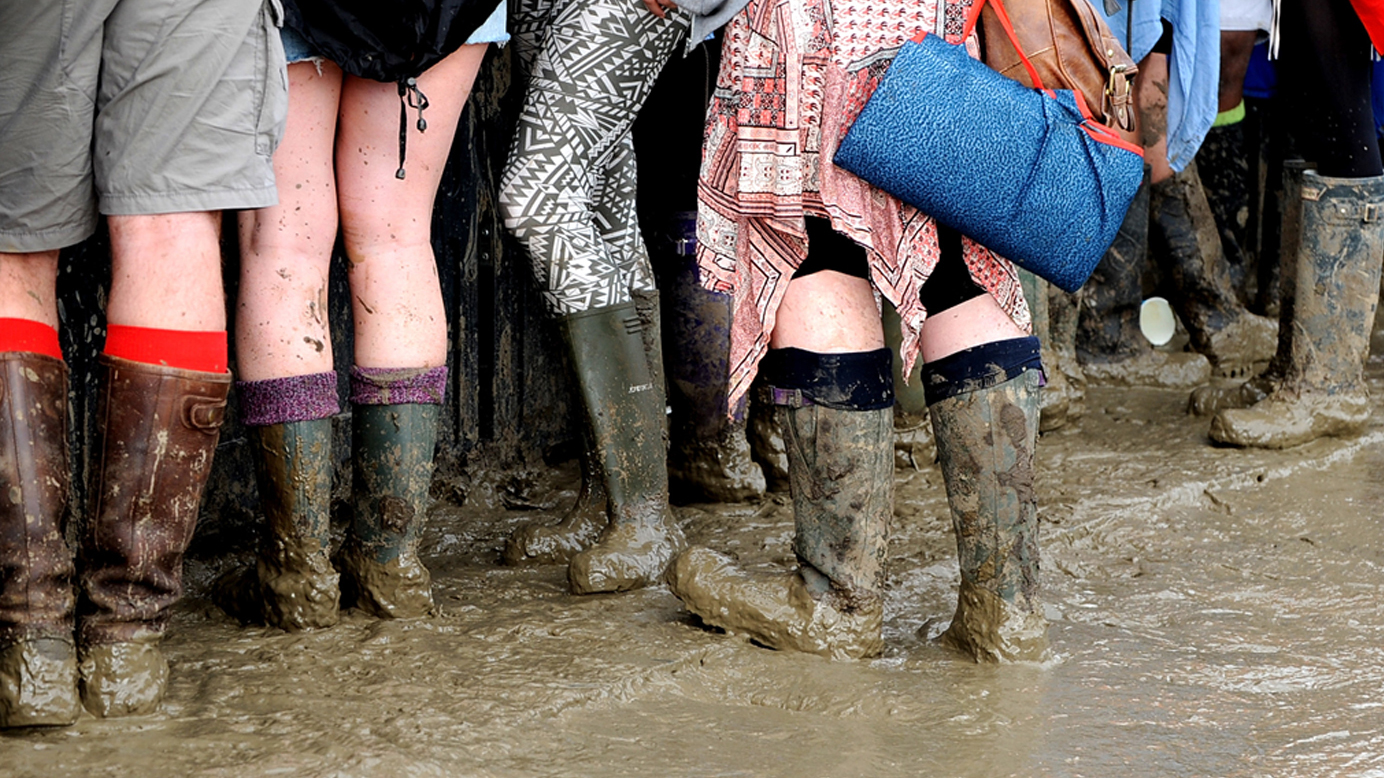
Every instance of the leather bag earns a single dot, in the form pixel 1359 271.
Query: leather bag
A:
pixel 1026 172
pixel 1071 47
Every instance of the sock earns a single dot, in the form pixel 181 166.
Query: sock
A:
pixel 184 349
pixel 30 336
pixel 980 367
pixel 398 385
pixel 855 381
pixel 283 400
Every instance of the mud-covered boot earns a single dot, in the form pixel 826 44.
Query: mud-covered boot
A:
pixel 709 460
pixel 393 437
pixel 1223 167
pixel 836 413
pixel 556 544
pixel 626 421
pixel 38 659
pixel 913 448
pixel 1185 236
pixel 766 439
pixel 1063 313
pixel 1207 400
pixel 159 427
pixel 293 585
pixel 1055 399
pixel 1109 344
pixel 984 405
pixel 1323 393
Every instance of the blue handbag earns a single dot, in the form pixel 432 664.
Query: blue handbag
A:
pixel 1026 172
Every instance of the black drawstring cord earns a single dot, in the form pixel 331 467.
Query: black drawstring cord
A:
pixel 410 96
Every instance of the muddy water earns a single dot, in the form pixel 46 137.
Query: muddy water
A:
pixel 1215 613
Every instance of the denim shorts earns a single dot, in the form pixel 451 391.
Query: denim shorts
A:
pixel 492 30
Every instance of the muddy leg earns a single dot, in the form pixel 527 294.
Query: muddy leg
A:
pixel 159 429
pixel 394 434
pixel 986 425
pixel 38 659
pixel 1337 289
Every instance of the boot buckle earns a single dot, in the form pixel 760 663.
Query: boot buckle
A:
pixel 203 413
pixel 1371 212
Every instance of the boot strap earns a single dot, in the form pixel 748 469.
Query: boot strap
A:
pixel 791 398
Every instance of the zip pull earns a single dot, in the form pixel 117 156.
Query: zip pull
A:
pixel 410 96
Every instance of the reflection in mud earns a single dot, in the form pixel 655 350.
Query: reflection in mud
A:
pixel 1215 612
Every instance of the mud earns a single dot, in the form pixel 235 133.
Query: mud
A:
pixel 1213 612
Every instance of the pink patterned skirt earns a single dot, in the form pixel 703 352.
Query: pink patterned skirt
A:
pixel 794 75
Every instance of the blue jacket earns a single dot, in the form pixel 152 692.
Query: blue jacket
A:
pixel 1194 67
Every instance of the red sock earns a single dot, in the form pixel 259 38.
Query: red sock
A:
pixel 34 337
pixel 185 349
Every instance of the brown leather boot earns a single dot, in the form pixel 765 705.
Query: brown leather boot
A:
pixel 159 429
pixel 38 663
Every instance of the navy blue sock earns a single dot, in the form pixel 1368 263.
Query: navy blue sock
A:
pixel 980 367
pixel 855 381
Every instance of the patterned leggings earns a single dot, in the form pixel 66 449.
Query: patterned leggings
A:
pixel 568 192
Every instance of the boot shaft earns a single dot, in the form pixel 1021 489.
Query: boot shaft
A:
pixel 1108 316
pixel 623 402
pixel 36 568
pixel 293 467
pixel 392 460
pixel 1340 251
pixel 1290 241
pixel 841 476
pixel 1188 243
pixel 159 427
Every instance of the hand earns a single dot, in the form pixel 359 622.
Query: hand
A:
pixel 659 8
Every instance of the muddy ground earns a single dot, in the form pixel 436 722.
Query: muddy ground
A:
pixel 1214 612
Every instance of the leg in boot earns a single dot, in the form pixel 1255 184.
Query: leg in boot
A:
pixel 709 460
pixel 159 428
pixel 625 418
pixel 293 585
pixel 394 434
pixel 1224 169
pixel 1207 400
pixel 836 413
pixel 1109 344
pixel 556 544
pixel 984 406
pixel 1063 313
pixel 38 660
pixel 1054 401
pixel 1337 290
pixel 766 439
pixel 1186 238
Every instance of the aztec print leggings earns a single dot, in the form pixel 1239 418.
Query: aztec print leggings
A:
pixel 568 191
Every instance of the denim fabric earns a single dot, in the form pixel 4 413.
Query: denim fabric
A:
pixel 1194 68
pixel 297 48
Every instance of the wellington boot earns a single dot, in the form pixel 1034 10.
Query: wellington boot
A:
pixel 913 447
pixel 1223 167
pixel 38 664
pixel 709 460
pixel 1111 349
pixel 297 585
pixel 841 467
pixel 766 439
pixel 985 442
pixel 1323 392
pixel 777 611
pixel 625 417
pixel 1061 355
pixel 1054 401
pixel 1185 235
pixel 556 544
pixel 159 428
pixel 392 450
pixel 1207 400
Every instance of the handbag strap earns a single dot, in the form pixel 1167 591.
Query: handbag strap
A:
pixel 973 18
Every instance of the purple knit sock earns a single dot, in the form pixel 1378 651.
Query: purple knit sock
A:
pixel 280 400
pixel 398 385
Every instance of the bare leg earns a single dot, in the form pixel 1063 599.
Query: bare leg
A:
pixel 286 250
pixel 387 223
pixel 28 287
pixel 166 272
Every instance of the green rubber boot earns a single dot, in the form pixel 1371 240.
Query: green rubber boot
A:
pixel 393 454
pixel 985 443
pixel 1323 393
pixel 626 419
